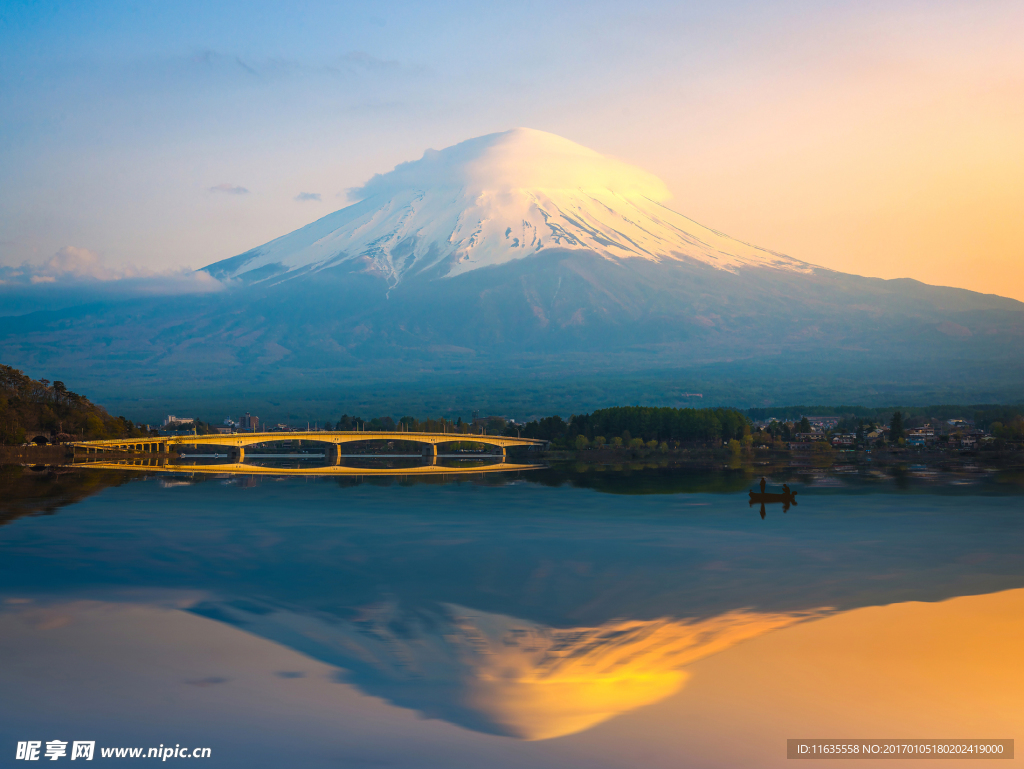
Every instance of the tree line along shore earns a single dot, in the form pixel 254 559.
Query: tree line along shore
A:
pixel 49 413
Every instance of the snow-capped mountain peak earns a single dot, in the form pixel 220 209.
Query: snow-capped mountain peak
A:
pixel 494 199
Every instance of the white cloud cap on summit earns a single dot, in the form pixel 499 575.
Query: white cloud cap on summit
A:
pixel 522 158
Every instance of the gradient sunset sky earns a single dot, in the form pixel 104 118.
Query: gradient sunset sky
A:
pixel 879 138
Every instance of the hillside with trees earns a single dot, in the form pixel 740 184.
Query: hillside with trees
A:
pixel 30 407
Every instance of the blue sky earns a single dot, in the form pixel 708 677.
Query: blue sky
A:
pixel 880 138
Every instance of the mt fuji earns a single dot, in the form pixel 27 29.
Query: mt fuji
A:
pixel 532 270
pixel 494 199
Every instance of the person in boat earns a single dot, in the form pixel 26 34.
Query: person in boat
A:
pixel 786 491
pixel 763 484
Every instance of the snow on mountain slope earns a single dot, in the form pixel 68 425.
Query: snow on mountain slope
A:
pixel 493 199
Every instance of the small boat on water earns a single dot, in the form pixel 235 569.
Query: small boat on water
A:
pixel 768 497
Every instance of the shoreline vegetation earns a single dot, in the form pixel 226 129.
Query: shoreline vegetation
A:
pixel 48 413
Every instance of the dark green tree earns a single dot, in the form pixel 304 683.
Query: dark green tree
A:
pixel 896 427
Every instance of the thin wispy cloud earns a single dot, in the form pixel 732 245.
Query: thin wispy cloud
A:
pixel 229 189
pixel 363 61
pixel 358 64
pixel 304 196
pixel 246 67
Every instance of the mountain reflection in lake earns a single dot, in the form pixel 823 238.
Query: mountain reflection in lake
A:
pixel 534 620
pixel 498 674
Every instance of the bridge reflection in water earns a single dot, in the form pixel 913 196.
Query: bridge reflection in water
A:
pixel 239 468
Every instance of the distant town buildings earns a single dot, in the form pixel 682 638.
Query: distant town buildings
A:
pixel 172 422
pixel 249 423
pixel 815 435
pixel 821 424
pixel 800 445
pixel 921 436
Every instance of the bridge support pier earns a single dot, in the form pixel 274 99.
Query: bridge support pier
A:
pixel 430 453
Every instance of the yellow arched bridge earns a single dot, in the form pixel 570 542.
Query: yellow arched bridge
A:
pixel 238 442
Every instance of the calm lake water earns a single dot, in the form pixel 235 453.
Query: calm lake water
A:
pixel 580 618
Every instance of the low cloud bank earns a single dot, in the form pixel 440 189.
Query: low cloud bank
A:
pixel 70 263
pixel 77 275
